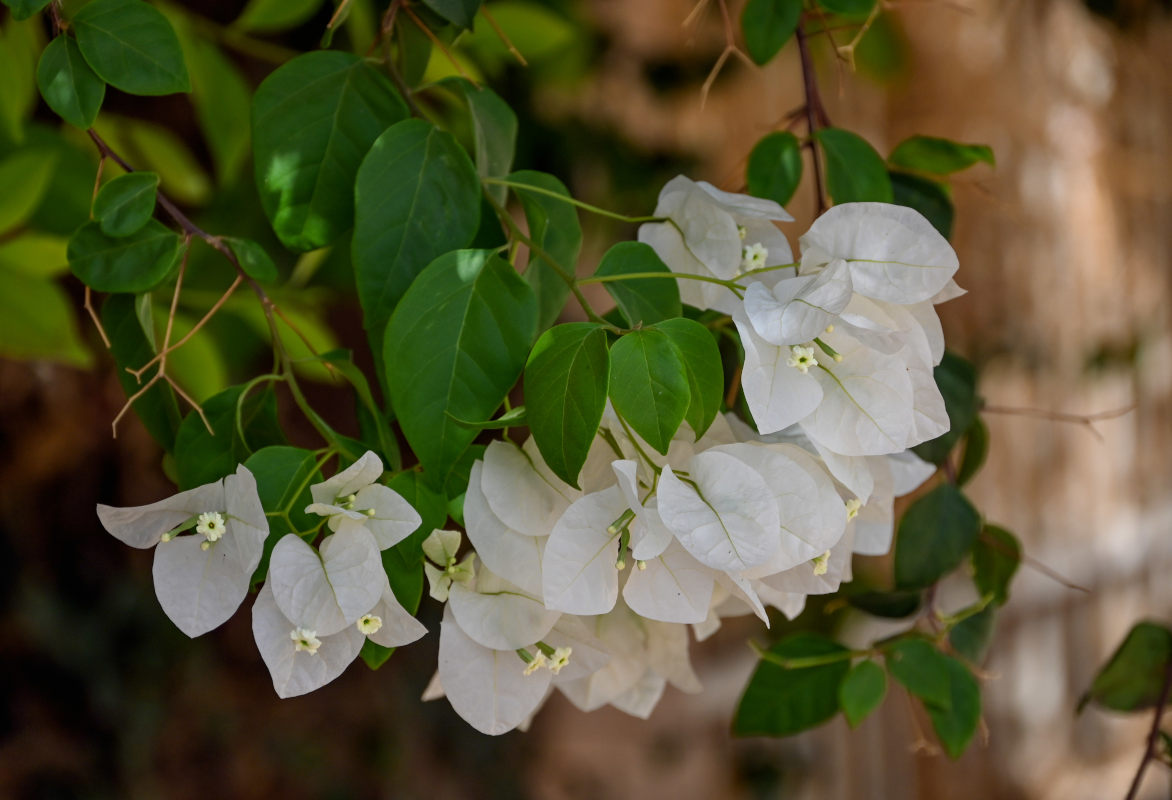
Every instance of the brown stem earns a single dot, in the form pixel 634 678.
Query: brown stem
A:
pixel 1154 734
pixel 813 104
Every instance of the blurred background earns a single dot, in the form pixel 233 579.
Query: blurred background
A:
pixel 1066 252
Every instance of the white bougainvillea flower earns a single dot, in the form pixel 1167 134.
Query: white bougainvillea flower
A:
pixel 442 569
pixel 715 234
pixel 798 310
pixel 671 587
pixel 352 498
pixel 649 537
pixel 894 253
pixel 498 615
pixel 512 555
pixel 200 577
pixel 579 568
pixel 388 623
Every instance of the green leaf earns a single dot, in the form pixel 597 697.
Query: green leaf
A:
pixel 513 418
pixel 935 534
pixel 970 638
pixel 643 301
pixel 153 147
pixel 157 407
pixel 135 263
pixel 782 702
pixel 198 367
pixel 862 691
pixel 566 381
pixel 854 171
pixel 253 258
pixel 939 156
pixel 976 448
pixel 131 46
pixel 435 208
pixel 68 84
pixel 37 321
pixel 891 605
pixel 20 45
pixel 768 25
pixel 956 724
pixel 495 128
pixel 704 371
pixel 283 477
pixel 775 167
pixel 124 205
pixel 848 8
pixel 39 255
pixel 996 557
pixel 431 505
pixel 387 443
pixel 269 16
pixel 202 457
pixel 649 385
pixel 25 176
pixel 931 198
pixel 23 9
pixel 222 98
pixel 458 12
pixel 455 346
pixel 313 120
pixel 922 669
pixel 957 379
pixel 553 225
pixel 1134 676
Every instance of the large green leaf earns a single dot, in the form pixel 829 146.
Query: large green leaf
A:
pixel 775 167
pixel 642 301
pixel 931 198
pixel 23 9
pixel 553 225
pixel 69 86
pixel 923 670
pixel 125 204
pixel 854 171
pixel 433 209
pixel 956 724
pixel 566 381
pixel 313 120
pixel 935 534
pixel 37 321
pixel 768 25
pixel 131 46
pixel 221 97
pixel 157 407
pixel 495 127
pixel 283 477
pixel 20 45
pixel 202 456
pixel 135 263
pixel 701 356
pixel 24 176
pixel 455 346
pixel 957 380
pixel 939 156
pixel 275 15
pixel 780 701
pixel 458 12
pixel 862 691
pixel 649 385
pixel 1133 678
pixel 996 557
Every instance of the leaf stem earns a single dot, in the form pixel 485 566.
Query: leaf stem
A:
pixel 1150 750
pixel 602 212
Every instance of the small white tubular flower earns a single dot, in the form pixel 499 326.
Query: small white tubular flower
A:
pixel 578 567
pixel 798 310
pixel 813 579
pixel 144 526
pixel 801 358
pixel 673 587
pixel 894 252
pixel 369 624
pixel 753 256
pixel 299 659
pixel 498 615
pixel 210 526
pixel 389 624
pixel 353 499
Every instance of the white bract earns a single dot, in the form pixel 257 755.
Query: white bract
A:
pixel 352 498
pixel 201 577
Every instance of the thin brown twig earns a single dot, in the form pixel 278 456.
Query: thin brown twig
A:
pixel 813 101
pixel 137 373
pixel 734 388
pixel 97 183
pixel 89 307
pixel 1087 420
pixel 503 36
pixel 440 46
pixel 1150 749
pixel 730 48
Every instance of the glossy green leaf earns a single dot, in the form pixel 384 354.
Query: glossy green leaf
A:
pixel 37 321
pixel 24 176
pixel 495 128
pixel 131 46
pixel 931 198
pixel 854 171
pixel 970 638
pixel 848 8
pixel 254 259
pixel 434 209
pixel 513 418
pixel 135 263
pixel 862 691
pixel 124 205
pixel 649 385
pixel 891 605
pixel 283 477
pixel 705 373
pixel 935 534
pixel 455 346
pixel 767 25
pixel 202 456
pixel 553 225
pixel 775 167
pixel 157 407
pixel 939 156
pixel 269 16
pixel 566 382
pixel 780 701
pixel 313 120
pixel 642 301
pixel 69 86
pixel 957 379
pixel 923 670
pixel 1133 678
pixel 222 99
pixel 23 9
pixel 976 449
pixel 996 557
pixel 158 149
pixel 458 12
pixel 956 724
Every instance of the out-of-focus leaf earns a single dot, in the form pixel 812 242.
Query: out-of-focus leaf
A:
pixel 939 156
pixel 37 321
pixel 775 167
pixel 767 25
pixel 1133 678
pixel 935 534
pixel 854 171
pixel 996 557
pixel 24 176
pixel 862 691
pixel 956 378
pixel 268 16
pixel 782 702
pixel 931 198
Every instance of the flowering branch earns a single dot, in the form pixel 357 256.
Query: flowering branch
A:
pixel 1151 749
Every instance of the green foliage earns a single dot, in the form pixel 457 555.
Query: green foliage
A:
pixel 495 127
pixel 1135 676
pixel 935 534
pixel 862 691
pixel 240 425
pixel 69 86
pixel 131 46
pixel 458 12
pixel 131 348
pixel 848 8
pixel 854 171
pixel 642 301
pixel 648 385
pixel 767 25
pixel 702 367
pixel 891 605
pixel 455 345
pixel 313 120
pixel 222 98
pixel 931 198
pixel 976 449
pixel 923 670
pixel 266 16
pixel 554 227
pixel 970 638
pixel 23 9
pixel 124 205
pixel 566 382
pixel 775 167
pixel 781 701
pixel 25 176
pixel 957 380
pixel 996 557
pixel 37 321
pixel 939 156
pixel 253 258
pixel 283 477
pixel 137 262
pixel 956 723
